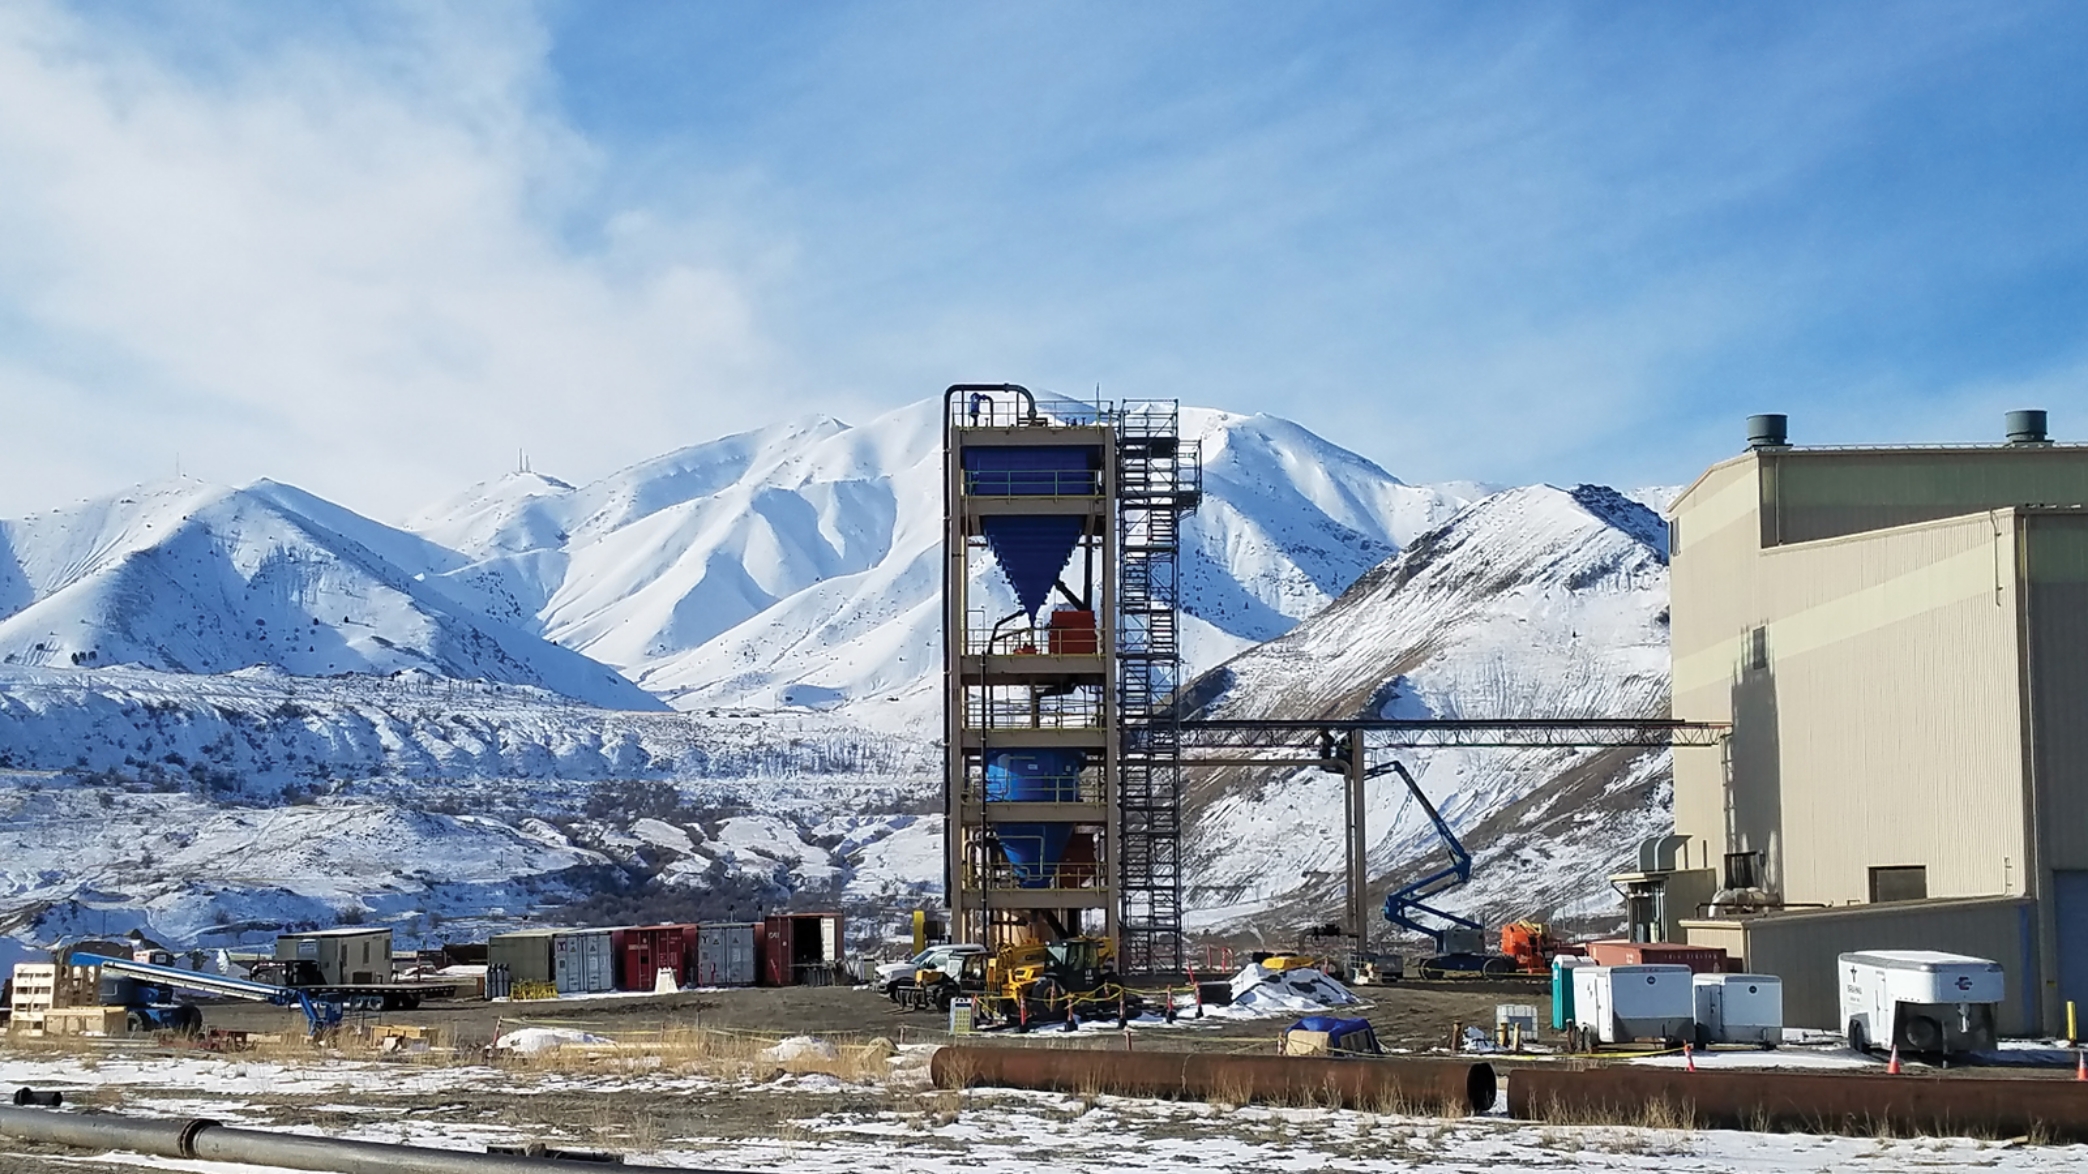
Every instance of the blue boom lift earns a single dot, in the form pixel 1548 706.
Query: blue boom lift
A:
pixel 146 992
pixel 1460 943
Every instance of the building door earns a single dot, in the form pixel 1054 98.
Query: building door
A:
pixel 2070 913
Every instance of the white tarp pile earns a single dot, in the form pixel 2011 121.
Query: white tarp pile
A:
pixel 1258 991
pixel 802 1048
pixel 530 1040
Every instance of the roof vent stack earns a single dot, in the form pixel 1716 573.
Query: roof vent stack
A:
pixel 1770 430
pixel 2027 427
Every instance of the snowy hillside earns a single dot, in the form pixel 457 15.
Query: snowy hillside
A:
pixel 195 578
pixel 212 807
pixel 1533 602
pixel 240 708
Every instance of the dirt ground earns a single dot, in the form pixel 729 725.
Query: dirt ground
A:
pixel 1413 1016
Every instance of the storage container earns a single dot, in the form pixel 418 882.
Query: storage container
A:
pixel 1616 952
pixel 638 953
pixel 801 949
pixel 526 954
pixel 1738 1009
pixel 725 954
pixel 580 961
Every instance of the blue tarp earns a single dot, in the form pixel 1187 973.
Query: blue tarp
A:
pixel 1345 1035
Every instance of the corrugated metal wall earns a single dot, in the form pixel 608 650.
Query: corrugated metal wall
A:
pixel 1824 493
pixel 1802 948
pixel 1873 686
pixel 1712 582
pixel 2057 562
pixel 1892 681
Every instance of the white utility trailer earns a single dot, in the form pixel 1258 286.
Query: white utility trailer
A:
pixel 1632 1004
pixel 1738 1009
pixel 1921 1000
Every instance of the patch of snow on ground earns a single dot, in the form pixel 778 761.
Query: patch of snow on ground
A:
pixel 530 1040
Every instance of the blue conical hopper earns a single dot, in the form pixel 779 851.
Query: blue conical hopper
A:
pixel 1034 850
pixel 1032 548
pixel 1032 551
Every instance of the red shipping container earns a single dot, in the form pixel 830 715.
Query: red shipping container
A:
pixel 1617 952
pixel 638 953
pixel 800 947
pixel 1072 633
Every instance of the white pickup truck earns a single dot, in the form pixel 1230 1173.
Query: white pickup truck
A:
pixel 1921 1000
pixel 892 975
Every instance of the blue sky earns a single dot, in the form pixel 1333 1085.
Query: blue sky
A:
pixel 375 250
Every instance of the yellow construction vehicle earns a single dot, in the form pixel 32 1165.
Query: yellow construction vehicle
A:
pixel 1039 982
pixel 1031 983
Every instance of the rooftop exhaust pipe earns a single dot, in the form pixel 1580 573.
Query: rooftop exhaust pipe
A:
pixel 2027 427
pixel 1770 430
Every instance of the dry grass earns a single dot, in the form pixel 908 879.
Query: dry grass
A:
pixel 691 1051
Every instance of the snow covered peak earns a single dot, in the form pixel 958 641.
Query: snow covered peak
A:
pixel 191 577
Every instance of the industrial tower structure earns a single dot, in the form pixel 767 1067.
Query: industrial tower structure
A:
pixel 1062 785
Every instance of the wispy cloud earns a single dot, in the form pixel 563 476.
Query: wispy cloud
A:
pixel 375 250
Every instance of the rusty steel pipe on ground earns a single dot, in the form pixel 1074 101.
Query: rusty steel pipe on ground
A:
pixel 1389 1085
pixel 1847 1103
pixel 205 1140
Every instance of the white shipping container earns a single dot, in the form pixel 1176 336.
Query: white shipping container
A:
pixel 580 962
pixel 1920 1000
pixel 1626 1004
pixel 1738 1009
pixel 725 954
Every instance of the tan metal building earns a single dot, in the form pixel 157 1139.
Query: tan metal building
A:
pixel 1899 637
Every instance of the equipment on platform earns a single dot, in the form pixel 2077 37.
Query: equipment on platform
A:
pixel 1738 1009
pixel 1634 1004
pixel 1920 1001
pixel 306 975
pixel 146 992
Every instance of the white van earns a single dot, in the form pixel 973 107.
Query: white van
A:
pixel 1921 1000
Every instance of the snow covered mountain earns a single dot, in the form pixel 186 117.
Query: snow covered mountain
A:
pixel 1534 602
pixel 198 682
pixel 197 578
pixel 799 563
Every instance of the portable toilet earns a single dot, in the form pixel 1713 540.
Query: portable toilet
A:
pixel 1562 966
pixel 1738 1009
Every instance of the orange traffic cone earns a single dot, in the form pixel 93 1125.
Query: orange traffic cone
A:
pixel 1688 1058
pixel 2080 1064
pixel 1892 1067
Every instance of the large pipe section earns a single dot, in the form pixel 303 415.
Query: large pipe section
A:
pixel 1429 1086
pixel 1850 1103
pixel 203 1140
